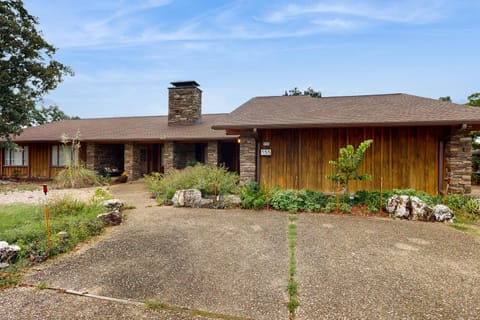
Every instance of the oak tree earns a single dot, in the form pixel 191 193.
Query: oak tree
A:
pixel 27 68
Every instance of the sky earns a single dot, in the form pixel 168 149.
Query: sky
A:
pixel 126 53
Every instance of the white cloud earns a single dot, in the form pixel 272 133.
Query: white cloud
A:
pixel 407 11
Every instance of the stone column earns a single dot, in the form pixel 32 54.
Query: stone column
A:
pixel 458 158
pixel 248 156
pixel 167 156
pixel 91 152
pixel 132 165
pixel 212 153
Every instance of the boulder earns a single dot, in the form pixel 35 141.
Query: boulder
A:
pixel 410 208
pixel 187 198
pixel 443 213
pixel 231 201
pixel 420 210
pixel 63 236
pixel 112 204
pixel 7 251
pixel 398 206
pixel 113 218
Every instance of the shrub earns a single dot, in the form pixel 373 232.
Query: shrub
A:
pixel 293 201
pixel 76 177
pixel 456 201
pixel 208 180
pixel 331 206
pixel 472 206
pixel 252 196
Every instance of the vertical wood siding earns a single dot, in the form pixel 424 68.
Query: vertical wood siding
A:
pixel 39 160
pixel 404 157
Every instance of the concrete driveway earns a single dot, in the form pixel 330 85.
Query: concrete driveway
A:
pixel 235 264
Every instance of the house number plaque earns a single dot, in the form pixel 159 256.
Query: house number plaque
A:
pixel 266 152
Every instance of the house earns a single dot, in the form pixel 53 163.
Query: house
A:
pixel 284 141
pixel 137 145
pixel 419 143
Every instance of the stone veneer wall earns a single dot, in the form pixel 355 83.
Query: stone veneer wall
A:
pixel 167 156
pixel 90 158
pixel 183 153
pixel 458 157
pixel 184 105
pixel 248 157
pixel 101 156
pixel 212 153
pixel 134 166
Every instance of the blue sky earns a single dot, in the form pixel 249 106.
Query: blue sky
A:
pixel 126 53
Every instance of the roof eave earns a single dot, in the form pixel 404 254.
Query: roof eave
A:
pixel 343 124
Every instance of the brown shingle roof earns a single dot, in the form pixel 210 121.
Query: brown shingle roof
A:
pixel 372 110
pixel 126 129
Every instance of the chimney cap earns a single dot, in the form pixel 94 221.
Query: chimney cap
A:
pixel 179 84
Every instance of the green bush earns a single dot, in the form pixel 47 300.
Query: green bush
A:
pixel 456 201
pixel 293 201
pixel 209 180
pixel 252 196
pixel 472 206
pixel 331 206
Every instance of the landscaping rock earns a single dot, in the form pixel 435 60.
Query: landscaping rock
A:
pixel 443 213
pixel 407 207
pixel 63 236
pixel 113 218
pixel 187 198
pixel 3 265
pixel 231 201
pixel 420 210
pixel 398 206
pixel 7 251
pixel 206 203
pixel 112 204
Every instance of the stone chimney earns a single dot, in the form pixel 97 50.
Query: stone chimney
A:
pixel 184 103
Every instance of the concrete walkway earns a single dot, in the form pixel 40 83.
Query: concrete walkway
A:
pixel 235 263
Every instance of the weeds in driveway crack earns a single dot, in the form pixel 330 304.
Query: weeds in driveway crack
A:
pixel 292 286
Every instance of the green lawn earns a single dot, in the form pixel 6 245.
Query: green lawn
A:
pixel 25 226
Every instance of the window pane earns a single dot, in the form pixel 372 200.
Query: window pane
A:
pixel 25 156
pixel 54 156
pixel 16 157
pixel 63 155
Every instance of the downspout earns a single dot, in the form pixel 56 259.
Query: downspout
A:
pixel 257 155
pixel 441 165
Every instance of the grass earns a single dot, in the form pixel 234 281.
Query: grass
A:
pixel 19 187
pixel 292 285
pixel 25 226
pixel 162 306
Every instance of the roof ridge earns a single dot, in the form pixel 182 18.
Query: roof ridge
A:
pixel 136 117
pixel 330 97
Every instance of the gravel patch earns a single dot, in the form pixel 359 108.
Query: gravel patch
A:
pixel 38 197
pixel 29 303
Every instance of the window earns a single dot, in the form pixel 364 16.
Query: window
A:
pixel 63 156
pixel 16 157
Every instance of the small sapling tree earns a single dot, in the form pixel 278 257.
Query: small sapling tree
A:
pixel 347 165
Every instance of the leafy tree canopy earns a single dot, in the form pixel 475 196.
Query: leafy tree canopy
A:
pixel 446 99
pixel 474 99
pixel 307 92
pixel 27 68
pixel 51 114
